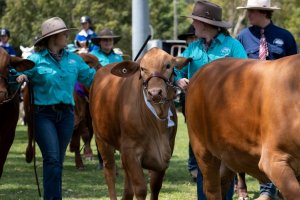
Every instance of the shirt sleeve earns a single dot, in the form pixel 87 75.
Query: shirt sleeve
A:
pixel 85 74
pixel 183 72
pixel 238 51
pixel 291 47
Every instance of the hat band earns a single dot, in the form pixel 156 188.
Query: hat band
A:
pixel 207 17
pixel 54 31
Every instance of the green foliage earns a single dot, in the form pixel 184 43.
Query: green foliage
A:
pixel 24 17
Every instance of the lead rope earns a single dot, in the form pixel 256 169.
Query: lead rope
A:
pixel 31 100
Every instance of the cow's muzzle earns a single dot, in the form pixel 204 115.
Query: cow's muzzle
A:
pixel 156 94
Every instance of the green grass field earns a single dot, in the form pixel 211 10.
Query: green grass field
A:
pixel 18 180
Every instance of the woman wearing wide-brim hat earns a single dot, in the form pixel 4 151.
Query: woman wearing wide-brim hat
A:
pixel 52 80
pixel 106 40
pixel 213 42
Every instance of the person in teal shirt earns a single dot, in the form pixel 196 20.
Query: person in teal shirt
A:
pixel 213 42
pixel 52 80
pixel 105 42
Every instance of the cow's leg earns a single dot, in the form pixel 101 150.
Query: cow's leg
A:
pixel 156 179
pixel 6 141
pixel 87 134
pixel 278 169
pixel 132 167
pixel 75 147
pixel 209 167
pixel 107 152
pixel 128 190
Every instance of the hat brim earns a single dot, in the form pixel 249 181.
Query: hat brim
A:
pixel 184 36
pixel 258 8
pixel 96 40
pixel 53 33
pixel 222 24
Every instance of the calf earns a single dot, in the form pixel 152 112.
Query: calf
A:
pixel 135 114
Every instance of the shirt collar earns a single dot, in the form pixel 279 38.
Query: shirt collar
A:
pixel 267 28
pixel 218 38
pixel 45 52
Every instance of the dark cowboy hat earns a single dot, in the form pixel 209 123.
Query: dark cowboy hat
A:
pixel 105 33
pixel 52 26
pixel 209 13
pixel 189 32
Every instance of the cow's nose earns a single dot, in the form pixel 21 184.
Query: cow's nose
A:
pixel 155 92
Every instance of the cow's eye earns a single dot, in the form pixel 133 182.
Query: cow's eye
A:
pixel 142 69
pixel 168 66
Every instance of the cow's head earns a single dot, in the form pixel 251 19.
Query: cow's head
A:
pixel 7 61
pixel 91 60
pixel 157 73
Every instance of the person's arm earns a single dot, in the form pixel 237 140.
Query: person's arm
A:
pixel 85 73
pixel 238 51
pixel 291 46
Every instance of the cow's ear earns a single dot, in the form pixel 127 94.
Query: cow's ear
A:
pixel 21 64
pixel 181 62
pixel 125 69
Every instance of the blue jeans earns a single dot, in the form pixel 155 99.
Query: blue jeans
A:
pixel 268 189
pixel 192 162
pixel 200 193
pixel 53 131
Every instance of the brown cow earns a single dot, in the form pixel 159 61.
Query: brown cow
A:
pixel 136 115
pixel 244 114
pixel 9 103
pixel 83 122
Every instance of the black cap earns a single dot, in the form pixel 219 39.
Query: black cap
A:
pixel 85 19
pixel 189 32
pixel 4 31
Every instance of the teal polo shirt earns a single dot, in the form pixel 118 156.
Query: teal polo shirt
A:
pixel 221 46
pixel 105 59
pixel 53 82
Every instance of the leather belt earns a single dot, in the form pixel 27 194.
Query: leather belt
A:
pixel 58 107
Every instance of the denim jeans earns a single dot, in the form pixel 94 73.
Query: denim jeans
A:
pixel 192 163
pixel 200 193
pixel 53 131
pixel 268 189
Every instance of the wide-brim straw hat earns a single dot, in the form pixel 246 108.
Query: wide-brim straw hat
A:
pixel 104 34
pixel 52 26
pixel 209 13
pixel 259 5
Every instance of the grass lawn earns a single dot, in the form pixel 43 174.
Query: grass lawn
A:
pixel 18 180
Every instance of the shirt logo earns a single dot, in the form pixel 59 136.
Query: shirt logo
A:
pixel 225 51
pixel 72 61
pixel 278 42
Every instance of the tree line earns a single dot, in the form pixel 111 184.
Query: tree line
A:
pixel 24 17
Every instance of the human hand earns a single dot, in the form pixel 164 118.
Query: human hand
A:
pixel 22 78
pixel 183 83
